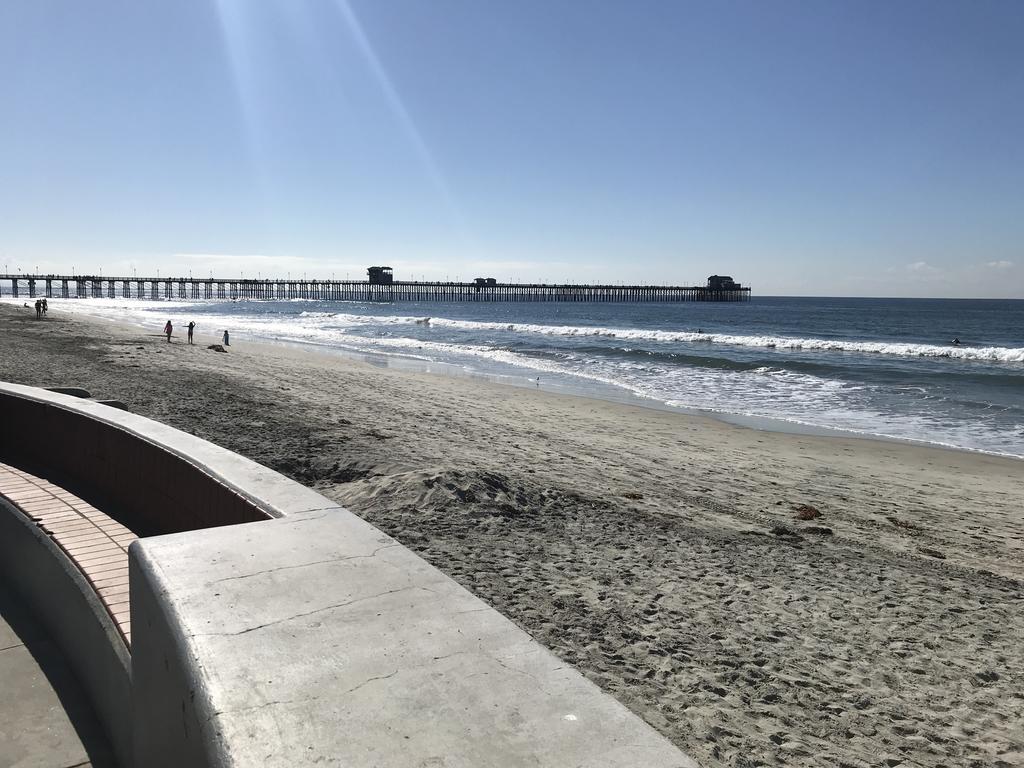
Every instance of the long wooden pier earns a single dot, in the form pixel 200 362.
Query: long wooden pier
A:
pixel 170 288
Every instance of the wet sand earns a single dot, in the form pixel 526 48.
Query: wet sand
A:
pixel 662 554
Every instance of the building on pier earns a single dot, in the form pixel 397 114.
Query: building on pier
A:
pixel 380 275
pixel 723 283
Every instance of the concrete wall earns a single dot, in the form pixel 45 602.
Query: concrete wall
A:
pixel 316 639
pixel 153 478
pixel 309 637
pixel 34 568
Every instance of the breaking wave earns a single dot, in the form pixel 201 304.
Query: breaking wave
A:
pixel 908 391
pixel 964 352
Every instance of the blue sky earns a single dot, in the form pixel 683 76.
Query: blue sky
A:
pixel 861 148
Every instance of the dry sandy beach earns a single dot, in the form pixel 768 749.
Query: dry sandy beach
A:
pixel 660 553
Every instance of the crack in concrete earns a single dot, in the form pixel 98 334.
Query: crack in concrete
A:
pixel 305 565
pixel 524 652
pixel 293 516
pixel 501 664
pixel 448 656
pixel 370 680
pixel 265 704
pixel 307 613
pixel 473 610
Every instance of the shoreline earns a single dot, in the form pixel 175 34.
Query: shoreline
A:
pixel 663 554
pixel 612 394
pixel 567 384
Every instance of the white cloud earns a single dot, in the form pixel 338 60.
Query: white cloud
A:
pixel 921 275
pixel 1004 264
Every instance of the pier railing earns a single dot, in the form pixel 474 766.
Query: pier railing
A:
pixel 169 288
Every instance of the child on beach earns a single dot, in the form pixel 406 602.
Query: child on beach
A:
pixel 168 329
pixel 226 342
pixel 191 327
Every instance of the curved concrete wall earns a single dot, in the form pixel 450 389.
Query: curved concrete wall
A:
pixel 154 478
pixel 37 570
pixel 310 637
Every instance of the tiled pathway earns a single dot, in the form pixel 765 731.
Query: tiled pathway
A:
pixel 97 544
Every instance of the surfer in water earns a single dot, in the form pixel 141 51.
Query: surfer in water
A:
pixel 955 342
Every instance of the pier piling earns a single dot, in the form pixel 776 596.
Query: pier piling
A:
pixel 182 288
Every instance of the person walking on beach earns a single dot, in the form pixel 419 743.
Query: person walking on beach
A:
pixel 168 329
pixel 191 327
pixel 39 309
pixel 226 342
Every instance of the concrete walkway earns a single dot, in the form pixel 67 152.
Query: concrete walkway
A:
pixel 45 719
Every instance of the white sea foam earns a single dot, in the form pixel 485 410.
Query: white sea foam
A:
pixel 798 398
pixel 904 349
pixel 107 307
pixel 769 391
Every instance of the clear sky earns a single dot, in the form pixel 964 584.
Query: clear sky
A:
pixel 821 148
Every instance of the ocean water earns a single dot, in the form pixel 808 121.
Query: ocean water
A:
pixel 881 367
